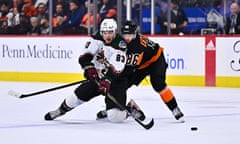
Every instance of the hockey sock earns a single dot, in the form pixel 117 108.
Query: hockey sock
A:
pixel 64 107
pixel 168 98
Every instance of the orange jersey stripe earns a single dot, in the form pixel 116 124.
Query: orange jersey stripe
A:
pixel 153 59
pixel 140 58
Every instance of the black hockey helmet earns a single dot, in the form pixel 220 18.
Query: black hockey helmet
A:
pixel 129 27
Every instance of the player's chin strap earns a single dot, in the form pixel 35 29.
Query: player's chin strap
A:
pixel 121 107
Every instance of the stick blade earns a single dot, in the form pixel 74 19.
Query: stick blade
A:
pixel 14 93
pixel 147 125
pixel 150 124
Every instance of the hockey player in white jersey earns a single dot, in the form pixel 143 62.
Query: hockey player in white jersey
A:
pixel 103 59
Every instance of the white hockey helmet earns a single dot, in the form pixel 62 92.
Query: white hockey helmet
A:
pixel 108 24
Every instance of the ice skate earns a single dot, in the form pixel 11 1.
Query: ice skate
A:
pixel 179 116
pixel 135 110
pixel 54 114
pixel 58 112
pixel 101 115
pixel 132 107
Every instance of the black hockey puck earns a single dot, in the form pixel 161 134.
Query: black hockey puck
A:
pixel 194 128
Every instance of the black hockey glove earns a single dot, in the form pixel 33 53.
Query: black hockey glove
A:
pixel 104 86
pixel 90 72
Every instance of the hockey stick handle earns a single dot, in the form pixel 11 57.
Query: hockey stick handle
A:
pixel 51 89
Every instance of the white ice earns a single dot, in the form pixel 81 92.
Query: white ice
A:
pixel 214 111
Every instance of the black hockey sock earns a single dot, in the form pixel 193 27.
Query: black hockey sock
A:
pixel 172 104
pixel 64 107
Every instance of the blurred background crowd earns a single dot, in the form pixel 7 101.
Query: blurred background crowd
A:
pixel 58 17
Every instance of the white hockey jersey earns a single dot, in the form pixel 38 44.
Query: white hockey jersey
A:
pixel 111 56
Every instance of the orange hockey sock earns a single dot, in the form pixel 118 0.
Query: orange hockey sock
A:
pixel 166 95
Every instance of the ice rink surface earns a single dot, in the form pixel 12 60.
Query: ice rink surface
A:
pixel 214 111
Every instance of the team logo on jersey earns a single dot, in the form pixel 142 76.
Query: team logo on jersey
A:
pixel 122 44
pixel 101 57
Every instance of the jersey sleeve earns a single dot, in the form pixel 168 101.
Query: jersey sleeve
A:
pixel 91 47
pixel 89 51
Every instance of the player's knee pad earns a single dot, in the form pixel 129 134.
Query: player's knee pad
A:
pixel 158 87
pixel 158 83
pixel 73 101
pixel 116 115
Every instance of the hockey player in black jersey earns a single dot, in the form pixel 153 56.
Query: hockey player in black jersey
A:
pixel 146 58
pixel 103 60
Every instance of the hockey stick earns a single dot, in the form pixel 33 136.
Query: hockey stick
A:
pixel 19 95
pixel 146 126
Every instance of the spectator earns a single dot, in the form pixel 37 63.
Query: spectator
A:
pixel 59 12
pixel 72 23
pixel 44 25
pixel 8 3
pixel 3 18
pixel 59 27
pixel 42 11
pixel 233 21
pixel 37 2
pixel 107 10
pixel 23 27
pixel 84 23
pixel 28 9
pixel 64 3
pixel 17 3
pixel 13 17
pixel 178 19
pixel 35 27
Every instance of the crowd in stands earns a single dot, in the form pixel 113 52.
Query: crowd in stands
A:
pixel 71 16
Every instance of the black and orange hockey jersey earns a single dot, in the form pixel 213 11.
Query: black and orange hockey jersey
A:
pixel 141 52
